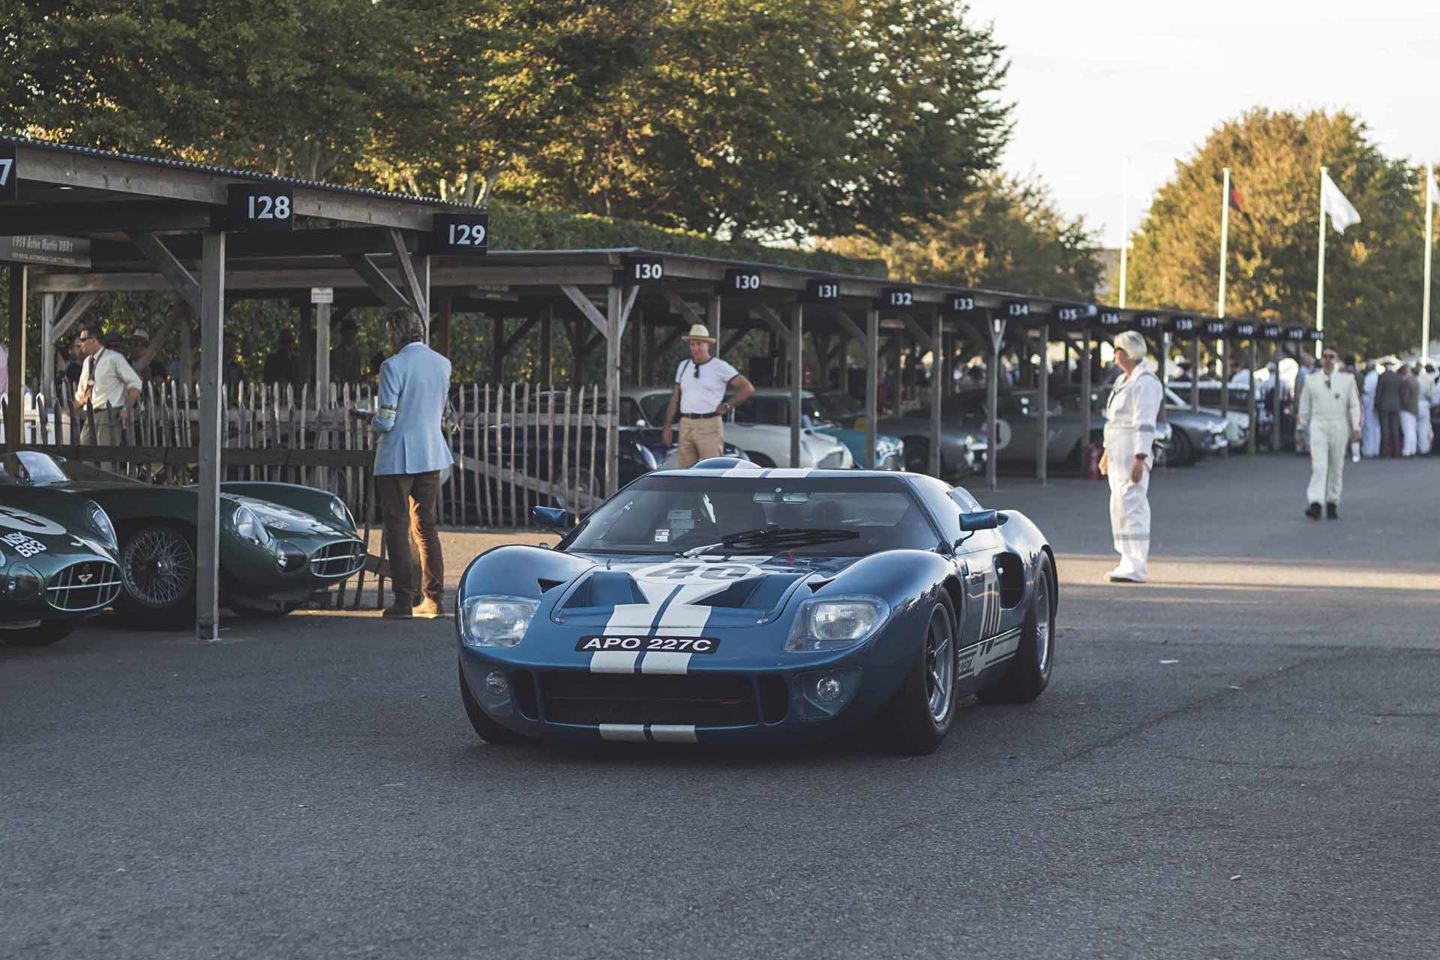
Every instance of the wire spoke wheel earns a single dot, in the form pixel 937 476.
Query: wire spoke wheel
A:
pixel 157 567
pixel 939 666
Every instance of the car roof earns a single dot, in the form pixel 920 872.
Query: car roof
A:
pixel 784 473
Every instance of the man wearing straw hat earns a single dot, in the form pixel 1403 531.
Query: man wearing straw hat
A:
pixel 699 395
pixel 1129 442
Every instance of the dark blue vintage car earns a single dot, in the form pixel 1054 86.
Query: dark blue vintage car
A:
pixel 729 603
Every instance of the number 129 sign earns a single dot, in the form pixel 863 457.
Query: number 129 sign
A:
pixel 460 233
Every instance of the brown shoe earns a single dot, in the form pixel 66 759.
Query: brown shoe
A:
pixel 399 610
pixel 429 608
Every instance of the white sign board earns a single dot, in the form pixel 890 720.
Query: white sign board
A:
pixel 322 294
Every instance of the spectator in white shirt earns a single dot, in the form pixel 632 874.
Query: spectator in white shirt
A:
pixel 109 386
pixel 699 397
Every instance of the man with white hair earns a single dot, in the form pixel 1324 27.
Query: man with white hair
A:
pixel 1129 444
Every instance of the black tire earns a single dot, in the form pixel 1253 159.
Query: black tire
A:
pixel 1183 451
pixel 911 725
pixel 48 632
pixel 157 576
pixel 759 459
pixel 1029 672
pixel 917 456
pixel 488 730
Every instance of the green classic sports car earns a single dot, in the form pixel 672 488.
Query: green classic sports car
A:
pixel 57 559
pixel 279 542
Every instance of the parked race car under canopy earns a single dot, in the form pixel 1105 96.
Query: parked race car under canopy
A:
pixel 733 603
pixel 280 542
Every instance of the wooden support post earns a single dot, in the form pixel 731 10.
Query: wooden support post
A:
pixel 322 349
pixel 938 376
pixel 212 338
pixel 615 307
pixel 15 344
pixel 896 343
pixel 1195 373
pixel 797 358
pixel 547 344
pixel 1042 371
pixel 712 315
pixel 872 385
pixel 442 326
pixel 47 343
pixel 1085 387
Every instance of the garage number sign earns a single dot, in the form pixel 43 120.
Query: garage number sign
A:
pixel 741 282
pixel 1214 328
pixel 962 303
pixel 460 233
pixel 1184 326
pixel 1245 329
pixel 643 271
pixel 9 173
pixel 822 291
pixel 1014 309
pixel 899 298
pixel 260 207
pixel 1147 321
pixel 1271 331
pixel 1108 318
pixel 1295 333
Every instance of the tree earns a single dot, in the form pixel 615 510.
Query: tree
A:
pixel 1372 271
pixel 1007 235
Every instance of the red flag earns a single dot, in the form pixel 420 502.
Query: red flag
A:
pixel 1235 203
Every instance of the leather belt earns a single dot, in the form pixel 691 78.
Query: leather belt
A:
pixel 698 416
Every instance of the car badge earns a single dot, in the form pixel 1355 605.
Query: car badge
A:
pixel 86 577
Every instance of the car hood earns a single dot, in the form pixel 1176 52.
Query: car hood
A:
pixel 657 593
pixel 281 520
pixel 37 521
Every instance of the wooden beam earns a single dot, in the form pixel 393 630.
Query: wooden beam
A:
pixel 921 336
pixel 773 321
pixel 15 344
pixel 70 314
pixel 416 293
pixel 84 219
pixel 212 340
pixel 587 309
pixel 682 306
pixel 519 334
pixel 630 297
pixel 174 272
pixel 734 338
pixel 378 283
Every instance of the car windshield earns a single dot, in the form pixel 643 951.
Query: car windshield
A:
pixel 39 469
pixel 839 406
pixel 774 410
pixel 672 514
pixel 652 407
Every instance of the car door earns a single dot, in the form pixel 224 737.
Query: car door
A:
pixel 975 555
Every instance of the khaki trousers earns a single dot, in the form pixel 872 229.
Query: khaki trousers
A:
pixel 700 439
pixel 408 503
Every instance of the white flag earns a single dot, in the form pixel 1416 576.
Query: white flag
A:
pixel 1332 201
pixel 1433 191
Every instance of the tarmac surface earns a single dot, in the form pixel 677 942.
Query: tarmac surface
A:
pixel 1238 759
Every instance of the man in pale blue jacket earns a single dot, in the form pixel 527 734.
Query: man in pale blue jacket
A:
pixel 410 454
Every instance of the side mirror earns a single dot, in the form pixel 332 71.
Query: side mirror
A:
pixel 556 518
pixel 981 520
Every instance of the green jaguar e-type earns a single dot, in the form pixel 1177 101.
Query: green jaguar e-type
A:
pixel 279 542
pixel 57 559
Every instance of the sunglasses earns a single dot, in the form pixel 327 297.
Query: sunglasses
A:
pixel 1330 356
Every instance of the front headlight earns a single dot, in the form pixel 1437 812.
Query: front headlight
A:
pixel 100 520
pixel 22 581
pixel 841 622
pixel 495 621
pixel 342 513
pixel 249 527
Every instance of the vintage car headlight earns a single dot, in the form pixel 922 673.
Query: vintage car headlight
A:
pixel 22 581
pixel 100 520
pixel 495 621
pixel 841 622
pixel 342 513
pixel 248 526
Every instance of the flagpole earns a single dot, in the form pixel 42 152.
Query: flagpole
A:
pixel 1320 274
pixel 1124 228
pixel 1224 242
pixel 1429 239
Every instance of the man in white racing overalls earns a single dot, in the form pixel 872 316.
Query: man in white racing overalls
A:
pixel 1129 441
pixel 1330 413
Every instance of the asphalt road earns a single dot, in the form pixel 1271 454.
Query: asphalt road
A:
pixel 1237 760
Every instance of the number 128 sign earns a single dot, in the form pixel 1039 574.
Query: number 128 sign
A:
pixel 260 207
pixel 460 233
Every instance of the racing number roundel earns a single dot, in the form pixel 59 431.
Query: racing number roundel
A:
pixel 14 519
pixel 686 572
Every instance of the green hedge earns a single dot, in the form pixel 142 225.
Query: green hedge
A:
pixel 527 228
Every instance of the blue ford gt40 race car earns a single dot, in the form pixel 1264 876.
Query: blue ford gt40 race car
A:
pixel 728 603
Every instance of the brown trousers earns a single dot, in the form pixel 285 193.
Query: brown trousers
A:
pixel 408 503
pixel 700 439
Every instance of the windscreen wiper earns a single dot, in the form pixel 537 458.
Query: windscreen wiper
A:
pixel 773 538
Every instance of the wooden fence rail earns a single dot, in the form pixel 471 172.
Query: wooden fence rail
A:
pixel 515 445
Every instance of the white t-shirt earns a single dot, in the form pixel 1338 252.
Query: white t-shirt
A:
pixel 705 392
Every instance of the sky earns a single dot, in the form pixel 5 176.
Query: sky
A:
pixel 1114 85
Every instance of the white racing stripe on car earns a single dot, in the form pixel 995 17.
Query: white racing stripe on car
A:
pixel 673 733
pixel 623 732
pixel 665 662
pixel 788 473
pixel 613 661
pixel 746 471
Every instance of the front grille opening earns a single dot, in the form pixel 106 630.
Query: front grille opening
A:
pixel 89 585
pixel 523 685
pixel 704 700
pixel 338 559
pixel 774 699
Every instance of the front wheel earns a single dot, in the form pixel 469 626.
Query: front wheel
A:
pixel 922 712
pixel 157 574
pixel 489 730
pixel 51 631
pixel 1029 673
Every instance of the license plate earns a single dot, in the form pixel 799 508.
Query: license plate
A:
pixel 620 642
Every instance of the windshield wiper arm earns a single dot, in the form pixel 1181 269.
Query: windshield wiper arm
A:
pixel 773 537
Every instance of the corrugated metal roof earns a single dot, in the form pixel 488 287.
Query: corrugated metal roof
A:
pixel 174 164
